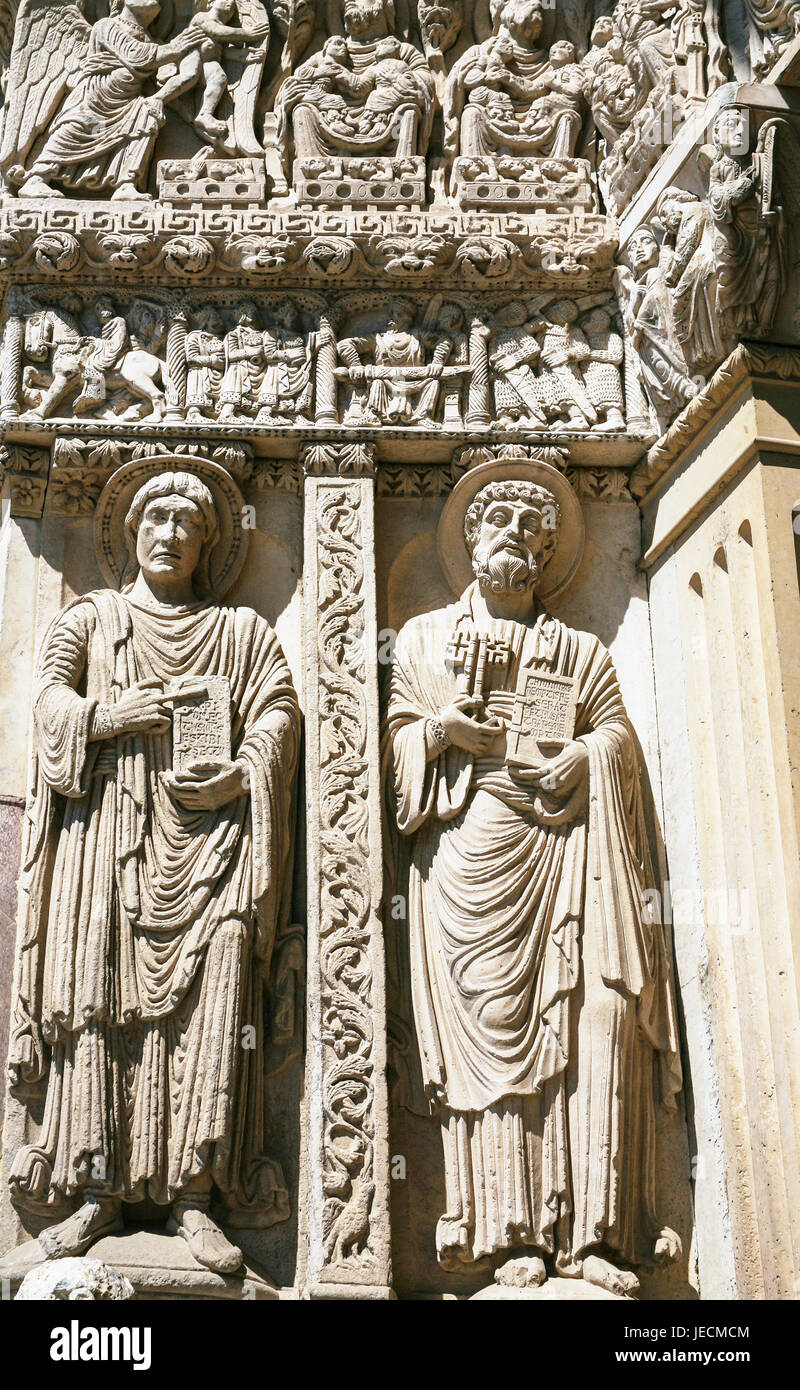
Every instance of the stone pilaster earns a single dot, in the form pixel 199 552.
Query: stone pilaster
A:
pixel 720 495
pixel 347 1168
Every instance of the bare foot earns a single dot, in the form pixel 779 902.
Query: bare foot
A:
pixel 601 1272
pixel 129 193
pixel 35 187
pixel 667 1247
pixel 205 1240
pixel 97 1217
pixel 522 1272
pixel 210 128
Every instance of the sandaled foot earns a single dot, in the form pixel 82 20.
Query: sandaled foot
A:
pixel 522 1272
pixel 205 1240
pixel 97 1217
pixel 622 1282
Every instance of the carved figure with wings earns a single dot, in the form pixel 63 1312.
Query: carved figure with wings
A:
pixel 83 108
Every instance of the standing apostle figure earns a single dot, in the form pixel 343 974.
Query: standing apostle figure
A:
pixel 150 895
pixel 542 995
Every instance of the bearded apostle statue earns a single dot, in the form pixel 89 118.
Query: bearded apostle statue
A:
pixel 542 995
pixel 156 872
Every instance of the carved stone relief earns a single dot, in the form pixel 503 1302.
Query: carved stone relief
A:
pixel 713 266
pixel 487 771
pixel 159 714
pixel 273 270
pixel 295 361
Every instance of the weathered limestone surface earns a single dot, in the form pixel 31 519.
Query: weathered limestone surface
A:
pixel 399 421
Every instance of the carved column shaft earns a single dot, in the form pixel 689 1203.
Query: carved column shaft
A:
pixel 347 1165
pixel 176 361
pixel 326 412
pixel 10 377
pixel 478 402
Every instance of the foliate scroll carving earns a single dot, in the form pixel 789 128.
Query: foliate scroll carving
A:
pixel 344 460
pixel 24 468
pixel 601 484
pixel 475 454
pixel 79 468
pixel 349 1234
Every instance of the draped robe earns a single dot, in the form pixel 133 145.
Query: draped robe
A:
pixel 147 928
pixel 105 132
pixel 542 995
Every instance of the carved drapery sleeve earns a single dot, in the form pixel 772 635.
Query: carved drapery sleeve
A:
pixel 62 717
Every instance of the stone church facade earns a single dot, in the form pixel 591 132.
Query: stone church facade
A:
pixel 399 419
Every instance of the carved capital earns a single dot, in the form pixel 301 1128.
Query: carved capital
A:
pixel 339 460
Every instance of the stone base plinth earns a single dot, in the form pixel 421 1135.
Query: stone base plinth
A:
pixel 375 182
pixel 551 1291
pixel 506 181
pixel 158 1266
pixel 213 182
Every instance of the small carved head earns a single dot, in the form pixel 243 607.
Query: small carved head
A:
pixel 642 250
pixel 336 48
pixel 247 313
pixel 511 315
pixel 603 31
pixel 564 311
pixel 440 24
pixel 400 315
pixel 104 308
pixel 451 317
pixel 361 16
pixel 562 54
pixel 511 530
pixel 669 207
pixel 143 10
pixel 210 319
pixel 171 529
pixel 731 130
pixel 521 18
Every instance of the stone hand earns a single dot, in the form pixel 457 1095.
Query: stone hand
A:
pixel 204 786
pixel 143 708
pixel 560 774
pixel 472 735
pixel 255 34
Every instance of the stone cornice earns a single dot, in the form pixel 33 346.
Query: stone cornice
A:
pixel 748 360
pixel 160 244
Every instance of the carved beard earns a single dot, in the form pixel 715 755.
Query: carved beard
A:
pixel 505 571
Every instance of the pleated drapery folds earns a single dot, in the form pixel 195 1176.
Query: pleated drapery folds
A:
pixel 148 928
pixel 542 998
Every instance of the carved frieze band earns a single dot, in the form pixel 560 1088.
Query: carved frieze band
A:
pixel 348 1166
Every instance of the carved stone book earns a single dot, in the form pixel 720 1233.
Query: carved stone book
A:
pixel 201 721
pixel 543 717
